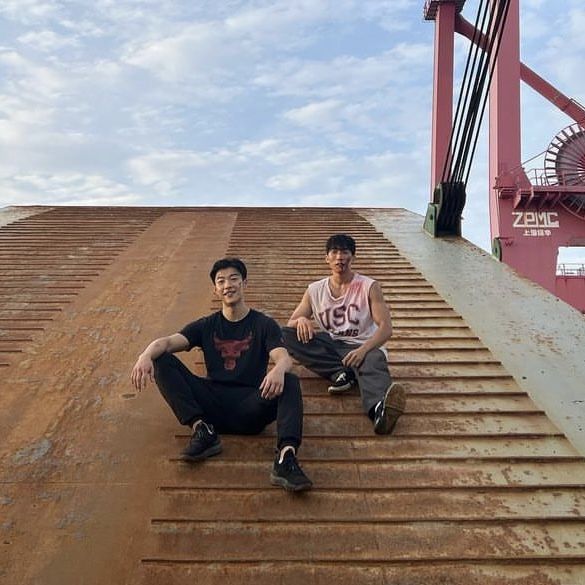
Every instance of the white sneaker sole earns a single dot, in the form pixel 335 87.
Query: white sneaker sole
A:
pixel 341 389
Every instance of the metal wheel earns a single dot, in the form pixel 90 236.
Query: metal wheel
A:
pixel 564 165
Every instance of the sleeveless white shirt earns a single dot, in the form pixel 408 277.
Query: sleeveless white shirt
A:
pixel 347 317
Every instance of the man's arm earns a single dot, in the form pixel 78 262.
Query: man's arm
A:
pixel 381 317
pixel 143 369
pixel 273 383
pixel 301 319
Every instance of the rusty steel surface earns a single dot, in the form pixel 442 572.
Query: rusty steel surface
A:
pixel 48 257
pixel 476 485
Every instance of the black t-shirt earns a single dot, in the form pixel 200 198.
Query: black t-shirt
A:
pixel 235 352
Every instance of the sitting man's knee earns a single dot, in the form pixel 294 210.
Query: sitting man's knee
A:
pixel 375 355
pixel 163 360
pixel 375 359
pixel 292 381
pixel 289 333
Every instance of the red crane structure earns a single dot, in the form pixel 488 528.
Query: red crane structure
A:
pixel 532 212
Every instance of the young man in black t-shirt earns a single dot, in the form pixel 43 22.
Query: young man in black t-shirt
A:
pixel 239 395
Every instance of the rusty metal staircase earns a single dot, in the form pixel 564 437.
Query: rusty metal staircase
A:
pixel 476 485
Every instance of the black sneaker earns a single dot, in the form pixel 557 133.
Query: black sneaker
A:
pixel 342 382
pixel 388 411
pixel 289 475
pixel 204 443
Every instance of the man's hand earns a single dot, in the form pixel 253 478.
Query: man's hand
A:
pixel 142 372
pixel 273 384
pixel 354 358
pixel 305 329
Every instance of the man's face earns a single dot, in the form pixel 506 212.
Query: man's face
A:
pixel 229 286
pixel 339 260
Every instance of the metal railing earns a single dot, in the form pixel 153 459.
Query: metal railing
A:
pixel 539 178
pixel 571 269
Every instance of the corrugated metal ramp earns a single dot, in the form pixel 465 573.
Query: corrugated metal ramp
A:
pixel 476 485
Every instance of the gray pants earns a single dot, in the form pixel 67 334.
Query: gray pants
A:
pixel 323 356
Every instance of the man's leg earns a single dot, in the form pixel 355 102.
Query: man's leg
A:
pixel 319 355
pixel 190 397
pixel 286 471
pixel 373 378
pixel 289 421
pixel 247 413
pixel 194 402
pixel 383 401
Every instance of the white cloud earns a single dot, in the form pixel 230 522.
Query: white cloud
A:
pixel 46 40
pixel 348 75
pixel 281 14
pixel 167 171
pixel 392 15
pixel 36 119
pixel 83 28
pixel 29 11
pixel 567 66
pixel 216 48
pixel 289 25
pixel 35 79
pixel 192 52
pixel 533 26
pixel 18 120
pixel 65 189
pixel 322 114
pixel 390 115
pixel 325 172
pixel 272 151
pixel 534 4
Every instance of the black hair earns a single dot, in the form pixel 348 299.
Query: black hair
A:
pixel 340 242
pixel 228 263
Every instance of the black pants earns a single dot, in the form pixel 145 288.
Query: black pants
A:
pixel 238 410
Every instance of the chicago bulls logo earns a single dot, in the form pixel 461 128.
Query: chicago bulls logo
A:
pixel 231 349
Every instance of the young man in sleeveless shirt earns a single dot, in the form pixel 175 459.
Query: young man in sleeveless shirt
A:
pixel 238 395
pixel 354 323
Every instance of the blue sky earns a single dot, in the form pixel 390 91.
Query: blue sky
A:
pixel 233 102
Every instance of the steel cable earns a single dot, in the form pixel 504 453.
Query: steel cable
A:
pixel 479 67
